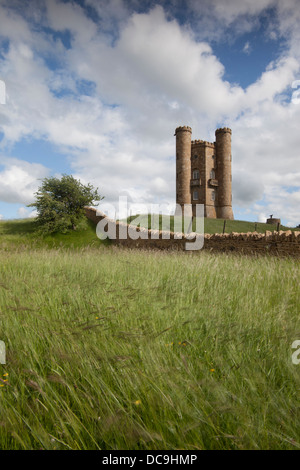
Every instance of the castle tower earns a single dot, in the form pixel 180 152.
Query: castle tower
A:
pixel 203 172
pixel 223 155
pixel 183 165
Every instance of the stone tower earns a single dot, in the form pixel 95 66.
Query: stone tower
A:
pixel 183 164
pixel 203 172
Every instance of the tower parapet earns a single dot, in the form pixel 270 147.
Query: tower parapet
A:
pixel 203 143
pixel 183 128
pixel 223 130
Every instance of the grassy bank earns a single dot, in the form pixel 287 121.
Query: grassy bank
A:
pixel 210 225
pixel 23 233
pixel 109 349
pixel 18 233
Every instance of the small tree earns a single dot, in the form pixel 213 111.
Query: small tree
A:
pixel 60 203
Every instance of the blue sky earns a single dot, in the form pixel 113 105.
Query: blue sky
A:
pixel 96 89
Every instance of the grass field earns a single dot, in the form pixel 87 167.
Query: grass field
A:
pixel 115 349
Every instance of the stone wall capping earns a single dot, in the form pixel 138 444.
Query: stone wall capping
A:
pixel 282 243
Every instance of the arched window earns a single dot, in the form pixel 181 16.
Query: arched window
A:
pixel 213 195
pixel 212 174
pixel 196 174
pixel 195 196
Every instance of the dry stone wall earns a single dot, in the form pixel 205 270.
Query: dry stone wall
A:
pixel 282 243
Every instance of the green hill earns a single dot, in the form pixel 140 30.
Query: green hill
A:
pixel 20 232
pixel 210 225
pixel 14 233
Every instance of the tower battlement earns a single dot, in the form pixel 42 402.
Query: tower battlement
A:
pixel 203 172
pixel 182 129
pixel 203 143
pixel 222 130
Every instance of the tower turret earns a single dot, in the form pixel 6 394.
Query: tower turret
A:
pixel 223 156
pixel 183 164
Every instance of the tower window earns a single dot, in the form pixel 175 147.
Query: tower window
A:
pixel 196 174
pixel 212 174
pixel 195 195
pixel 213 196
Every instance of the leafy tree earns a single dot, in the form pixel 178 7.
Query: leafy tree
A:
pixel 60 203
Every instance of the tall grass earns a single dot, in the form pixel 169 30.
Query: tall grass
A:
pixel 112 349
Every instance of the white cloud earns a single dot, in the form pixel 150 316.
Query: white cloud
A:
pixel 111 14
pixel 151 76
pixel 283 205
pixel 19 180
pixel 216 19
pixel 273 81
pixel 70 16
pixel 12 24
pixel 231 10
pixel 247 48
pixel 25 213
pixel 164 59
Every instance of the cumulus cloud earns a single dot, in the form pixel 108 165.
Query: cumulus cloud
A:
pixel 148 74
pixel 19 180
pixel 216 19
pixel 286 202
pixel 26 213
pixel 233 9
pixel 70 16
pixel 246 194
